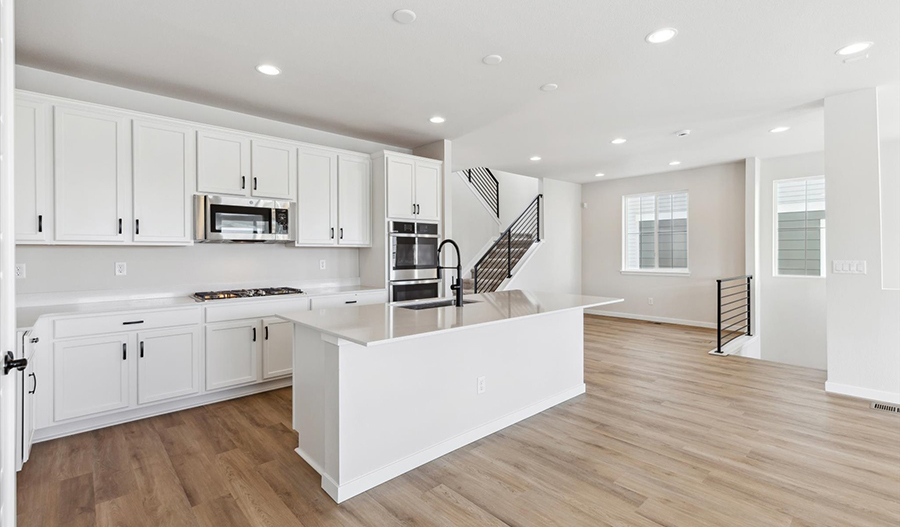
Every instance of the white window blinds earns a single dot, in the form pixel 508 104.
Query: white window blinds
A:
pixel 800 224
pixel 656 231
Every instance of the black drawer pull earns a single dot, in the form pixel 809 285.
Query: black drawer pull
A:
pixel 130 322
pixel 350 302
pixel 33 386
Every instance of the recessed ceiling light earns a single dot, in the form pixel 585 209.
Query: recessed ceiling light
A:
pixel 549 87
pixel 779 129
pixel 674 163
pixel 618 141
pixel 404 16
pixel 857 58
pixel 661 35
pixel 534 158
pixel 437 119
pixel 268 69
pixel 682 133
pixel 491 60
pixel 599 174
pixel 854 48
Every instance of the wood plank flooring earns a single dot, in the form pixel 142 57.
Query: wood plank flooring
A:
pixel 665 436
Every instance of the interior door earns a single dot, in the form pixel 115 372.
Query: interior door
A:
pixel 278 348
pixel 274 169
pixel 168 364
pixel 400 188
pixel 315 197
pixel 354 183
pixel 163 175
pixel 428 201
pixel 223 163
pixel 31 169
pixel 231 357
pixel 91 175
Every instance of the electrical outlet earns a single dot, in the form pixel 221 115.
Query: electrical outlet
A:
pixel 322 264
pixel 650 300
pixel 121 269
pixel 481 385
pixel 20 270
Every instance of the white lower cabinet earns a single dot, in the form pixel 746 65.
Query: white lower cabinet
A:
pixel 231 353
pixel 168 364
pixel 278 348
pixel 349 299
pixel 90 376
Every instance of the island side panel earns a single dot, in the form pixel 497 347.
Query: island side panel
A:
pixel 405 403
pixel 309 392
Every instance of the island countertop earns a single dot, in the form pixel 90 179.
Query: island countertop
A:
pixel 370 325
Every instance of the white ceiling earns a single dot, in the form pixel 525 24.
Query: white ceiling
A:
pixel 735 70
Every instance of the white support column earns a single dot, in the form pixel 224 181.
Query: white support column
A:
pixel 751 251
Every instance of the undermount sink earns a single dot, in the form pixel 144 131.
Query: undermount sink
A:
pixel 431 305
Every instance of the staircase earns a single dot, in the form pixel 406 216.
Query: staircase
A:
pixel 486 186
pixel 499 261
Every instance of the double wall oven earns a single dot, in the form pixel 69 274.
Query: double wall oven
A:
pixel 414 260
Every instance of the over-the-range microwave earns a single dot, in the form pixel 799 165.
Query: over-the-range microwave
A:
pixel 224 219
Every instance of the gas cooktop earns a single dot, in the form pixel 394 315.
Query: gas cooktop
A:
pixel 246 293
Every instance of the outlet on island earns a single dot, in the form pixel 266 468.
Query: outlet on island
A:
pixel 481 385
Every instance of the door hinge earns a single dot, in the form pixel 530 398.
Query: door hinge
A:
pixel 10 363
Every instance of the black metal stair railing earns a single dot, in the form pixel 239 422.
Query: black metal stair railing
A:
pixel 485 183
pixel 733 310
pixel 497 263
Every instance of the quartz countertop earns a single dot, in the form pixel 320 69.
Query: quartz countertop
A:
pixel 375 324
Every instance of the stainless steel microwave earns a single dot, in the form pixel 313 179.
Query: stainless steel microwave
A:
pixel 224 219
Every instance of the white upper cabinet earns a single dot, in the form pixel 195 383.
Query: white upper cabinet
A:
pixel 223 163
pixel 91 175
pixel 428 191
pixel 274 169
pixel 354 200
pixel 413 188
pixel 164 164
pixel 401 190
pixel 316 210
pixel 32 189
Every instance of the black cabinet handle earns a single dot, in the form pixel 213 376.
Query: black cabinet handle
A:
pixel 342 233
pixel 243 181
pixel 266 337
pixel 332 233
pixel 40 223
pixel 350 301
pixel 120 225
pixel 254 334
pixel 255 185
pixel 137 226
pixel 124 351
pixel 34 379
pixel 130 322
pixel 414 208
pixel 142 349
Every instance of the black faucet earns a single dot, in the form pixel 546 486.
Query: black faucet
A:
pixel 457 284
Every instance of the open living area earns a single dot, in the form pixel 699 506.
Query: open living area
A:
pixel 518 264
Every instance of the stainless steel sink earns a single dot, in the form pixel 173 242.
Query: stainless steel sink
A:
pixel 431 305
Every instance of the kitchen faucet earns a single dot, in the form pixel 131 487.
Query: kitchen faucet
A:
pixel 457 284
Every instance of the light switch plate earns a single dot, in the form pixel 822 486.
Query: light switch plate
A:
pixel 848 267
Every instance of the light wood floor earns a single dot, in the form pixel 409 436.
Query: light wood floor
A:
pixel 665 436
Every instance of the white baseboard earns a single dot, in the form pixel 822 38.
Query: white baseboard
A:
pixel 648 318
pixel 862 393
pixel 363 483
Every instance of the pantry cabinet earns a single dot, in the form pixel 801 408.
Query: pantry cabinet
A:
pixel 90 376
pixel 91 175
pixel 413 188
pixel 32 170
pixel 168 364
pixel 223 162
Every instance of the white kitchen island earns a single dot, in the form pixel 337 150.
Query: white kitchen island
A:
pixel 381 389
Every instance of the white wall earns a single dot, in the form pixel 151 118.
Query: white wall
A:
pixel 863 333
pixel 715 243
pixel 556 265
pixel 792 308
pixel 516 192
pixel 472 224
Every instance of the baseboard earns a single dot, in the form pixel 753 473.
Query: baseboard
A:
pixel 363 483
pixel 862 393
pixel 648 318
pixel 310 461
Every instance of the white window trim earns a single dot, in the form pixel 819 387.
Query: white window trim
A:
pixel 775 273
pixel 656 271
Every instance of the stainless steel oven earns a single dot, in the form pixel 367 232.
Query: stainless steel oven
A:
pixel 225 219
pixel 414 260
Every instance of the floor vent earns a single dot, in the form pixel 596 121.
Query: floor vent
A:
pixel 886 407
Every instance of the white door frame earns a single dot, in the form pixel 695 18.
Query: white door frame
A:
pixel 7 265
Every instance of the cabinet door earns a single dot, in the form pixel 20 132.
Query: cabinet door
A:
pixel 31 170
pixel 274 169
pixel 354 191
pixel 163 175
pixel 231 357
pixel 223 163
pixel 90 376
pixel 428 191
pixel 91 174
pixel 316 188
pixel 278 348
pixel 400 188
pixel 168 364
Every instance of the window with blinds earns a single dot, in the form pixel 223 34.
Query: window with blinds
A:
pixel 656 232
pixel 800 225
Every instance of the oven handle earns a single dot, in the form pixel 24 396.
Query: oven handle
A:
pixel 403 235
pixel 411 282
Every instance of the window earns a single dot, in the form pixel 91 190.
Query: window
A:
pixel 656 235
pixel 800 226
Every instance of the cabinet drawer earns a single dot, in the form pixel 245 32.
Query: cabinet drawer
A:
pixel 356 299
pixel 105 324
pixel 255 309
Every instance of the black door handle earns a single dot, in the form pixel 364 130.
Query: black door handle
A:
pixel 34 379
pixel 120 225
pixel 254 334
pixel 124 351
pixel 12 363
pixel 142 349
pixel 40 223
pixel 137 226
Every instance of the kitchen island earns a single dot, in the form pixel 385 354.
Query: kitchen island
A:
pixel 381 389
